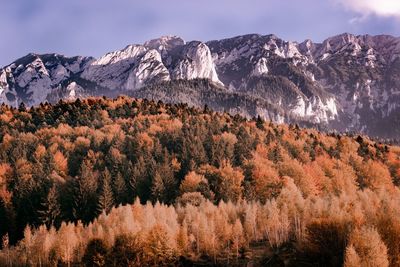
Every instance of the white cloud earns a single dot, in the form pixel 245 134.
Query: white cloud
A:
pixel 386 8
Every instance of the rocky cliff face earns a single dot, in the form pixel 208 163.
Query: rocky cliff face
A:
pixel 347 82
pixel 127 69
pixel 32 78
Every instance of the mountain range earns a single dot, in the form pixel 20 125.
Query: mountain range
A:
pixel 345 83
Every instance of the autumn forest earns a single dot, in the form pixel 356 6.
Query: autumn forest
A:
pixel 129 182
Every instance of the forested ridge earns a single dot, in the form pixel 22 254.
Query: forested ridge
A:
pixel 130 182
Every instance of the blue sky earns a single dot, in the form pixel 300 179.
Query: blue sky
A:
pixel 94 27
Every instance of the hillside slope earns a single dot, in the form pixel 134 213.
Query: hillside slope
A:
pixel 235 191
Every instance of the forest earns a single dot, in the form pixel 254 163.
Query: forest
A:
pixel 133 182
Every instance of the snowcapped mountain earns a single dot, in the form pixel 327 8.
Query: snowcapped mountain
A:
pixel 347 82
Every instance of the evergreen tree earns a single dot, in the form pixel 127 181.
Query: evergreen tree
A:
pixel 131 175
pixel 243 146
pixel 95 253
pixel 125 252
pixel 119 186
pixel 84 197
pixel 260 123
pixel 22 107
pixel 106 199
pixel 144 173
pixel 269 137
pixel 275 155
pixel 50 214
pixel 157 247
pixel 158 188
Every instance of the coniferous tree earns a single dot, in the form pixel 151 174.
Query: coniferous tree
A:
pixel 275 155
pixel 95 253
pixel 157 247
pixel 106 199
pixel 22 107
pixel 351 257
pixel 370 248
pixel 169 181
pixel 145 173
pixel 125 251
pixel 243 146
pixel 8 220
pixel 269 137
pixel 50 213
pixel 158 188
pixel 84 197
pixel 260 123
pixel 120 189
pixel 131 175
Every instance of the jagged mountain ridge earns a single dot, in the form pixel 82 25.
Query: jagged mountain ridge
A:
pixel 347 82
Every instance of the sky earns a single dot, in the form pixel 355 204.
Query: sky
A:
pixel 95 27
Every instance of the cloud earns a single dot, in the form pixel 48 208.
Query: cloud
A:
pixel 385 8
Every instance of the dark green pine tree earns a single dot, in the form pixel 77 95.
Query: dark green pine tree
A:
pixel 243 147
pixel 144 172
pixel 95 253
pixel 48 165
pixel 120 189
pixel 22 107
pixel 158 188
pixel 269 137
pixel 164 185
pixel 131 180
pixel 275 154
pixel 106 198
pixel 260 123
pixel 84 197
pixel 50 213
pixel 209 146
pixel 8 220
